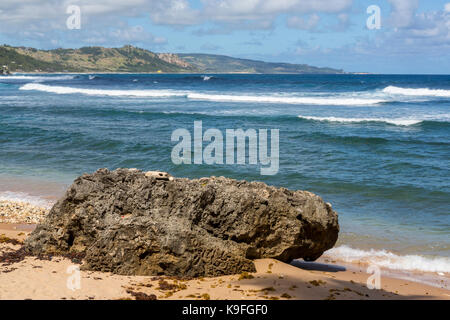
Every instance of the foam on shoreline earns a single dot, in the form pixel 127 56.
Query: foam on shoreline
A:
pixel 23 197
pixel 389 260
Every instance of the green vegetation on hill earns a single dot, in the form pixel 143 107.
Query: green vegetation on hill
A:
pixel 211 63
pixel 19 62
pixel 132 59
pixel 86 59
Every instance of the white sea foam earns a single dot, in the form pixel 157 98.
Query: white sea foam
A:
pixel 389 260
pixel 102 92
pixel 339 101
pixel 417 91
pixel 25 197
pixel 13 77
pixel 397 122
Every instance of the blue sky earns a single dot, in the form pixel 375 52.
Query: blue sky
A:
pixel 414 36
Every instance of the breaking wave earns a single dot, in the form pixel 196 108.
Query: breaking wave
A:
pixel 389 260
pixel 417 91
pixel 13 77
pixel 397 122
pixel 284 99
pixel 343 101
pixel 101 92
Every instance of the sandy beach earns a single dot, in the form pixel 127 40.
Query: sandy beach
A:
pixel 206 154
pixel 34 278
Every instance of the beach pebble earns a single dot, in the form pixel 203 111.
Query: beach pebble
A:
pixel 21 212
pixel 159 175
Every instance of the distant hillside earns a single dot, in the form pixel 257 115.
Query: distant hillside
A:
pixel 211 63
pixel 90 59
pixel 132 59
pixel 20 62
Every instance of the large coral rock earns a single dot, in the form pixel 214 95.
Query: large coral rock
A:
pixel 130 223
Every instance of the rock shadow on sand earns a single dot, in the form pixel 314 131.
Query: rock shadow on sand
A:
pixel 316 266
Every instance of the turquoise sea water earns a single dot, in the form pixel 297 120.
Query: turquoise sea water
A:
pixel 375 146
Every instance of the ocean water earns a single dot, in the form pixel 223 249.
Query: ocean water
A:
pixel 377 147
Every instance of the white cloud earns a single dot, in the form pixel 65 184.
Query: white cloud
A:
pixel 229 9
pixel 51 15
pixel 210 47
pixel 427 35
pixel 232 15
pixel 402 12
pixel 447 7
pixel 300 23
pixel 135 34
pixel 239 10
pixel 103 22
pixel 174 12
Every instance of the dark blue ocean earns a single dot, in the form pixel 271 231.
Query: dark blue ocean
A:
pixel 377 147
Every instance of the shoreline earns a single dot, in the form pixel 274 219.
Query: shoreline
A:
pixel 196 73
pixel 21 215
pixel 33 278
pixel 327 266
pixel 27 200
pixel 432 279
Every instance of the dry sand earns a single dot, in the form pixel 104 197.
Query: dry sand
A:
pixel 32 278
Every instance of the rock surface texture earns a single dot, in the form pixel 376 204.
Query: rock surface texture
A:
pixel 130 223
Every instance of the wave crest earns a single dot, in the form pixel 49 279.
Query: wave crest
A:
pixel 417 91
pixel 284 100
pixel 101 92
pixel 50 78
pixel 205 96
pixel 397 122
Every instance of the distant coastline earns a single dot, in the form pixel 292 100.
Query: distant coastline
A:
pixel 193 73
pixel 130 59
